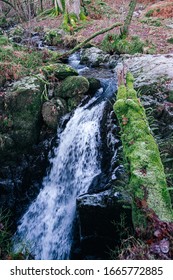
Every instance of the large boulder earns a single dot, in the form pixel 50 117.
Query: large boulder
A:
pixel 98 216
pixel 58 71
pixel 154 84
pixel 94 85
pixel 21 114
pixel 73 89
pixel 73 86
pixel 152 73
pixel 94 56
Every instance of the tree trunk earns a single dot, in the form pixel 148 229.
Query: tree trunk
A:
pixel 58 5
pixel 125 29
pixel 72 6
pixel 147 183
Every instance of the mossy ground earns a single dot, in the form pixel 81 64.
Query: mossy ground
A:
pixel 17 61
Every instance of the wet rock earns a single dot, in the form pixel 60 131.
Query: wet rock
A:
pixel 7 190
pixel 73 86
pixel 22 109
pixel 7 146
pixel 152 73
pixel 94 85
pixel 94 57
pixel 58 71
pixel 98 216
pixel 52 111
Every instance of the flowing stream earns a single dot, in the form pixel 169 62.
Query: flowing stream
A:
pixel 47 226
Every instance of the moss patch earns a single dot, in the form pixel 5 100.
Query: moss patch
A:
pixel 73 86
pixel 59 71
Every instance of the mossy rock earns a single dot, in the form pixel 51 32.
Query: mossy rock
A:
pixel 23 103
pixel 59 71
pixel 73 86
pixel 94 85
pixel 73 102
pixel 52 111
pixel 53 37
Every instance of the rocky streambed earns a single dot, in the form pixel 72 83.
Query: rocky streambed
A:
pixel 32 108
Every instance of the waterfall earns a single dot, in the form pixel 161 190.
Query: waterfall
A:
pixel 46 227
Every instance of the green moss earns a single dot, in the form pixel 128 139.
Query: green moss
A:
pixel 3 40
pixel 73 86
pixel 59 71
pixel 53 37
pixel 82 16
pixel 147 177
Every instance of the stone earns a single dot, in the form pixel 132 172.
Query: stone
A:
pixel 94 85
pixel 94 56
pixel 52 111
pixel 58 71
pixel 22 105
pixel 6 145
pixel 73 86
pixel 98 215
pixel 152 73
pixel 142 154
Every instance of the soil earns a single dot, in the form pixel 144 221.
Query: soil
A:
pixel 156 28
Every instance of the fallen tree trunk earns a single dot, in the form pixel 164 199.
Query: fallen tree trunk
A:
pixel 82 44
pixel 150 197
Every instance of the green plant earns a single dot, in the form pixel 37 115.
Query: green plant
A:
pixel 3 40
pixel 152 21
pixel 149 13
pixel 114 43
pixel 53 38
pixel 17 61
pixel 170 40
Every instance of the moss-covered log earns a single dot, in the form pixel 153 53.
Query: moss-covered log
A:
pixel 147 178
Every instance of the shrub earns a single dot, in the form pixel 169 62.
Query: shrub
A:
pixel 16 61
pixel 170 40
pixel 3 40
pixel 112 43
pixel 149 13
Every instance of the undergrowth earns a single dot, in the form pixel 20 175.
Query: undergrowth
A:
pixel 113 43
pixel 17 61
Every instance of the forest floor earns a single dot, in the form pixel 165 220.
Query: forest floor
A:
pixel 152 21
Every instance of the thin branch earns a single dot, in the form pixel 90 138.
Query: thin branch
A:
pixel 79 46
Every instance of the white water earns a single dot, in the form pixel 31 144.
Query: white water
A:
pixel 46 227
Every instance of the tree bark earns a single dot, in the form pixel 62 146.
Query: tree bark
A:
pixel 72 6
pixel 58 5
pixel 125 29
